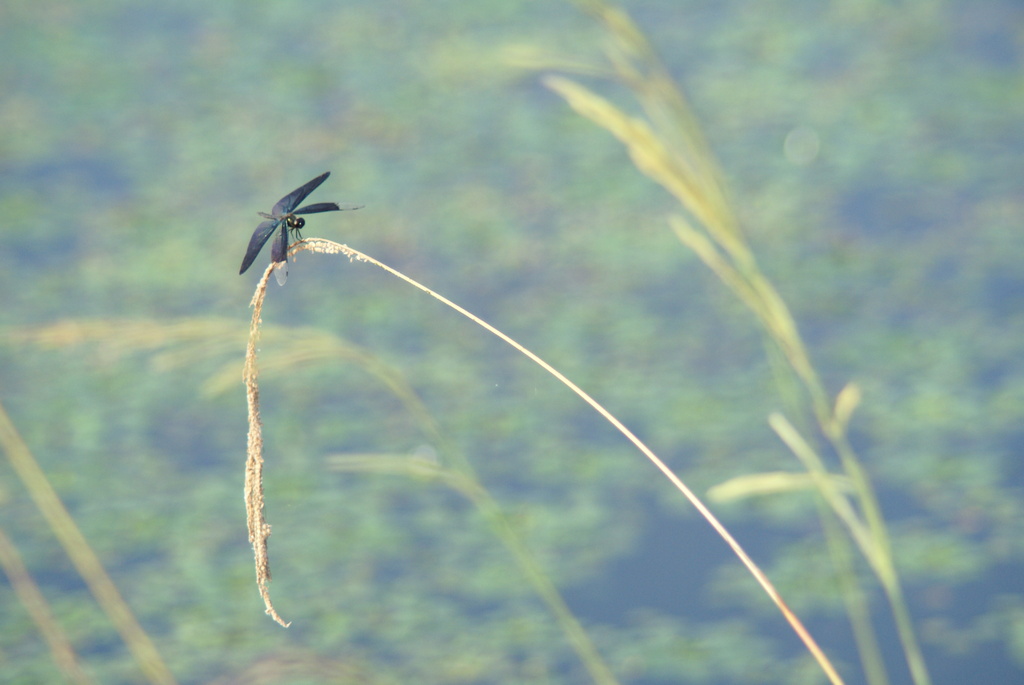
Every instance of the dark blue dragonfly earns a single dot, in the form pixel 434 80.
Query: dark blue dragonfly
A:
pixel 283 215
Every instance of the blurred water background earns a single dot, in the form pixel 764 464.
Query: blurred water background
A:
pixel 872 152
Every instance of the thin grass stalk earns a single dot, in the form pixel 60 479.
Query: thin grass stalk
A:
pixel 39 611
pixel 542 585
pixel 81 555
pixel 470 487
pixel 329 247
pixel 858 611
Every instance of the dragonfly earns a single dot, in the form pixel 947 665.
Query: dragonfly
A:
pixel 284 215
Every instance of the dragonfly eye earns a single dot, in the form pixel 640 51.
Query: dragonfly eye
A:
pixel 295 222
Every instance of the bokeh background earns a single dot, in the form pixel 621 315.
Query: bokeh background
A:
pixel 873 154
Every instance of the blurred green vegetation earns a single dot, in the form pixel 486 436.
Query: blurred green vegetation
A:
pixel 872 151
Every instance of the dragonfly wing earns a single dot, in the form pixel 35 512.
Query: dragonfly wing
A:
pixel 281 273
pixel 292 199
pixel 318 207
pixel 279 250
pixel 256 242
pixel 279 255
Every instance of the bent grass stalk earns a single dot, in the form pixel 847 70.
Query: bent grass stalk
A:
pixel 259 530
